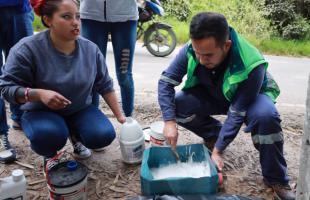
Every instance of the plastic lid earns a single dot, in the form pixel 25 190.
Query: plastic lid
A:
pixel 72 165
pixel 157 129
pixel 17 174
pixel 60 176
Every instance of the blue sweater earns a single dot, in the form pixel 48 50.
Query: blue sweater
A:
pixel 34 62
pixel 19 5
pixel 247 91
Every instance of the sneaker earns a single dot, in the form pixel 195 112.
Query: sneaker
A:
pixel 7 153
pixel 281 192
pixel 80 151
pixel 16 125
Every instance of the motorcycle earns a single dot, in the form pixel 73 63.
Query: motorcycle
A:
pixel 159 38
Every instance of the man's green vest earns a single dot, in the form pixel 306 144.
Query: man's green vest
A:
pixel 244 58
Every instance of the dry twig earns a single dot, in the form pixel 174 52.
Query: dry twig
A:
pixel 36 182
pixel 24 165
pixel 97 189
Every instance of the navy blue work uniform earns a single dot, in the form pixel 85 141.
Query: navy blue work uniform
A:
pixel 193 108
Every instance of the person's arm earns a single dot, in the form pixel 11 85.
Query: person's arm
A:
pixel 51 99
pixel 245 95
pixel 17 82
pixel 104 86
pixel 16 73
pixel 170 78
pixel 111 100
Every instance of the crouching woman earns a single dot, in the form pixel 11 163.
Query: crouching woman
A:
pixel 54 75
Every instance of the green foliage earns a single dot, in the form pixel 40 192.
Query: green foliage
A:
pixel 37 24
pixel 288 17
pixel 241 14
pixel 180 28
pixel 297 29
pixel 303 8
pixel 250 19
pixel 179 9
pixel 278 46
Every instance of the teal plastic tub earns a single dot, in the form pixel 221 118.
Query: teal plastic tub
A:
pixel 155 157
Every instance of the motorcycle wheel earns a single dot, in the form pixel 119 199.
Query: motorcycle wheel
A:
pixel 160 41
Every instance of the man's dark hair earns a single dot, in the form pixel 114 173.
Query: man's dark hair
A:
pixel 209 24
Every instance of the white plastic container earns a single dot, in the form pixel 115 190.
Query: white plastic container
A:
pixel 157 137
pixel 131 141
pixel 14 186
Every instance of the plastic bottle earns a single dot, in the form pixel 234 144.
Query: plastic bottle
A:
pixel 14 186
pixel 131 141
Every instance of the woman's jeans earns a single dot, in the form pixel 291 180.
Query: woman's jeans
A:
pixel 123 35
pixel 14 25
pixel 48 131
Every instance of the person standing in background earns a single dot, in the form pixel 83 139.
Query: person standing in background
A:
pixel 16 19
pixel 119 18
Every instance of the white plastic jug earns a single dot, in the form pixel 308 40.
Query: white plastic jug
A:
pixel 14 186
pixel 131 141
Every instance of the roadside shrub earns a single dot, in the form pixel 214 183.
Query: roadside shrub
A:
pixel 288 17
pixel 298 29
pixel 303 8
pixel 280 13
pixel 179 9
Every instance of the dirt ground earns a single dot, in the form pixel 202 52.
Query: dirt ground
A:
pixel 110 178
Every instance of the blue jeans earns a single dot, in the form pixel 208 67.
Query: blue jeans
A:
pixel 262 120
pixel 123 40
pixel 48 131
pixel 14 26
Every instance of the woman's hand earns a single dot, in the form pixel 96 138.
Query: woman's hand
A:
pixel 53 99
pixel 121 119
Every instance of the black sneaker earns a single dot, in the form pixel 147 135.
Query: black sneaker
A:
pixel 79 150
pixel 7 153
pixel 281 192
pixel 49 163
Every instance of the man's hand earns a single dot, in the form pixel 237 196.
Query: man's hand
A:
pixel 171 133
pixel 52 99
pixel 217 159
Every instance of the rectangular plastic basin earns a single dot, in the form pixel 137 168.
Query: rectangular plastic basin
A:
pixel 155 157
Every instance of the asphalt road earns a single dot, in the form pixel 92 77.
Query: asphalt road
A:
pixel 290 73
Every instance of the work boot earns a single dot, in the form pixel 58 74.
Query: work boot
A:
pixel 7 153
pixel 281 192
